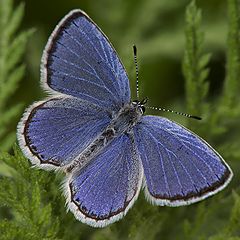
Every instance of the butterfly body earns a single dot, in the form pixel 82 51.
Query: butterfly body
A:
pixel 122 123
pixel 106 145
pixel 127 117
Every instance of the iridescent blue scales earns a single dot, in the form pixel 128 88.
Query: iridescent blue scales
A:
pixel 108 148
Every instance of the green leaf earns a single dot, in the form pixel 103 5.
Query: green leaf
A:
pixel 203 61
pixel 195 62
pixel 15 20
pixel 230 96
pixel 12 48
pixel 23 193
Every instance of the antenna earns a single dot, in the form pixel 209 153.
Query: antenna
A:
pixel 144 101
pixel 136 66
pixel 171 111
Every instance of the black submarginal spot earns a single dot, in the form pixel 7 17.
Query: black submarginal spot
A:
pixel 84 208
pixel 34 148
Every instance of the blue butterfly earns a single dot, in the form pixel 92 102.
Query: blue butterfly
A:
pixel 90 129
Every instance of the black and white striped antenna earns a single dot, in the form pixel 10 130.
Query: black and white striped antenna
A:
pixel 145 100
pixel 136 66
pixel 178 113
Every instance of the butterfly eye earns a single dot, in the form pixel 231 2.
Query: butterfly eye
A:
pixel 142 109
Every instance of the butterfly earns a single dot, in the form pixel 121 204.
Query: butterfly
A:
pixel 109 149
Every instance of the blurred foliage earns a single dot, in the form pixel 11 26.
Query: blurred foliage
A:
pixel 194 63
pixel 12 48
pixel 232 83
pixel 31 204
pixel 30 218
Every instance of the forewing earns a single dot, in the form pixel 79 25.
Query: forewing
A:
pixel 79 61
pixel 54 132
pixel 179 167
pixel 103 191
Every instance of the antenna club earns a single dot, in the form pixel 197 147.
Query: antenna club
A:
pixel 196 117
pixel 134 49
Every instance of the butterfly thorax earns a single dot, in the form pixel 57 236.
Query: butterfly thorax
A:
pixel 126 118
pixel 122 123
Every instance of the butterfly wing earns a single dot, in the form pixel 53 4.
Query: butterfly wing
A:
pixel 103 191
pixel 54 132
pixel 79 61
pixel 179 167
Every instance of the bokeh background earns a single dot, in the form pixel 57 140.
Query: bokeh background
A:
pixel 158 28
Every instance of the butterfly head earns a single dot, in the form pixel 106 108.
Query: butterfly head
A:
pixel 139 105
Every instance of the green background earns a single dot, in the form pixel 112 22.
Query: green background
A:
pixel 170 46
pixel 156 27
